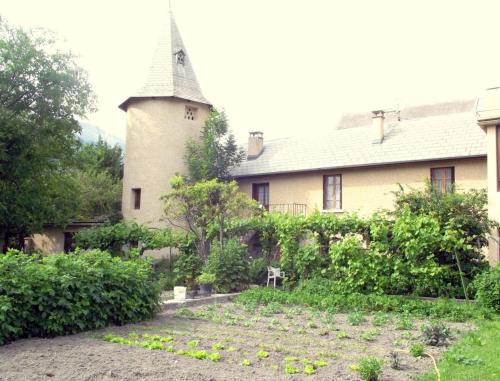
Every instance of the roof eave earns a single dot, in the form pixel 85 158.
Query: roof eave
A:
pixel 355 166
pixel 124 105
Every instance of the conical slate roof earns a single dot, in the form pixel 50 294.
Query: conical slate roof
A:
pixel 171 73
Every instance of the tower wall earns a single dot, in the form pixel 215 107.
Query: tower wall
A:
pixel 157 131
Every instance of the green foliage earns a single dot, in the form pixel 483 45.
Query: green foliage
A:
pixel 290 369
pixel 229 265
pixel 417 350
pixel 262 355
pixel 309 369
pixel 369 368
pixel 205 278
pixel 354 268
pixel 68 293
pixel 204 207
pixel 257 270
pixel 187 268
pixel 98 175
pixel 216 153
pixel 42 93
pixel 317 293
pixel 488 289
pixel 112 237
pixel 436 334
pixel 246 362
pixel 355 318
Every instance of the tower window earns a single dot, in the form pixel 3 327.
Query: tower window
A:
pixel 136 198
pixel 190 113
pixel 179 57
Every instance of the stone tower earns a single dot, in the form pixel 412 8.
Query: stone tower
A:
pixel 168 110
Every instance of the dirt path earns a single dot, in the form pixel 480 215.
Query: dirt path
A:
pixel 296 333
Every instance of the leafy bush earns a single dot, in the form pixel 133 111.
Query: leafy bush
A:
pixel 436 334
pixel 205 278
pixel 417 350
pixel 112 237
pixel 187 268
pixel 488 289
pixel 257 270
pixel 68 293
pixel 369 368
pixel 229 265
pixel 354 268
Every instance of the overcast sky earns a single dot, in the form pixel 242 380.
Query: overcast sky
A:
pixel 282 66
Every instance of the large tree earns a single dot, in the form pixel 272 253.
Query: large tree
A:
pixel 99 175
pixel 42 93
pixel 216 153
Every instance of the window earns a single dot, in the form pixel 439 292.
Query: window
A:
pixel 332 192
pixel 443 178
pixel 190 113
pixel 136 198
pixel 260 193
pixel 69 241
pixel 179 57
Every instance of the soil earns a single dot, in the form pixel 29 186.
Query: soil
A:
pixel 293 336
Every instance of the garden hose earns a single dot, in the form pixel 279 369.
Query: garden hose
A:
pixel 426 354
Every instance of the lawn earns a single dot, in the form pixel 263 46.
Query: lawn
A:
pixel 475 357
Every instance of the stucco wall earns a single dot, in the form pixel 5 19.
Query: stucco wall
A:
pixel 51 240
pixel 364 190
pixel 493 194
pixel 155 145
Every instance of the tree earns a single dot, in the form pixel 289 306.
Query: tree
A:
pixel 204 207
pixel 216 153
pixel 42 92
pixel 98 175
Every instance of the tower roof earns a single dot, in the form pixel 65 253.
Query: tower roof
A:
pixel 171 73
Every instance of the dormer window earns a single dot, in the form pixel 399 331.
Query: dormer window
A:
pixel 179 57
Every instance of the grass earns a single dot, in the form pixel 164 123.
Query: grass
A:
pixel 474 358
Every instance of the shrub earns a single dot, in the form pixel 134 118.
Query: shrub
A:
pixel 417 350
pixel 436 334
pixel 68 293
pixel 488 289
pixel 186 269
pixel 257 271
pixel 369 368
pixel 206 278
pixel 229 266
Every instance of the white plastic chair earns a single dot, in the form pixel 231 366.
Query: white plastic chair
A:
pixel 274 273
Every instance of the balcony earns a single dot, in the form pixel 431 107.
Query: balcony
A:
pixel 293 209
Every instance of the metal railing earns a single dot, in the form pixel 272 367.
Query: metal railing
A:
pixel 294 209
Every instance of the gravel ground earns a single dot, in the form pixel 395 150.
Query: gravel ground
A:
pixel 295 332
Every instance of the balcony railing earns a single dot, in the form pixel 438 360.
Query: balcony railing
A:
pixel 294 209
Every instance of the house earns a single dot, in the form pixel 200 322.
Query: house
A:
pixel 56 238
pixel 355 168
pixel 358 165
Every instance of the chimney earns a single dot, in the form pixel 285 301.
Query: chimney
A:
pixel 255 144
pixel 377 126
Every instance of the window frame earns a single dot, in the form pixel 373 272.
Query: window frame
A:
pixel 452 178
pixel 136 198
pixel 255 193
pixel 325 184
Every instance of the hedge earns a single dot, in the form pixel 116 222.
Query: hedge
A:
pixel 68 293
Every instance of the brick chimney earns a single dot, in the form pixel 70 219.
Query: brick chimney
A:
pixel 378 126
pixel 255 144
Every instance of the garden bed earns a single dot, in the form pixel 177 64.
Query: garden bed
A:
pixel 287 339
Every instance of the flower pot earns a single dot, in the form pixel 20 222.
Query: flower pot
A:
pixel 180 293
pixel 206 289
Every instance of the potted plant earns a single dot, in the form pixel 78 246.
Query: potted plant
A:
pixel 206 281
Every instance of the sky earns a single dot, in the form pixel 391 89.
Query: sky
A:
pixel 284 67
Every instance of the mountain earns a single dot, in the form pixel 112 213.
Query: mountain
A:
pixel 90 134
